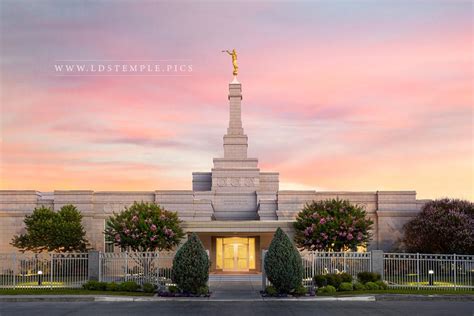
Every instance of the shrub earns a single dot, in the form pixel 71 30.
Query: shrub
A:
pixel 203 290
pixel 334 279
pixel 283 263
pixel 270 290
pixel 359 286
pixel 346 277
pixel 450 219
pixel 129 286
pixel 333 224
pixel 148 288
pixel 371 286
pixel 300 291
pixel 144 227
pixel 327 290
pixel 382 285
pixel 173 289
pixel 365 277
pixel 320 280
pixel 345 286
pixel 191 266
pixel 112 286
pixel 93 285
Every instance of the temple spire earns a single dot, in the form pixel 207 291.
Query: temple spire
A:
pixel 235 141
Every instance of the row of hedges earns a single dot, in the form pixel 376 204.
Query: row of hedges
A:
pixel 128 286
pixel 330 283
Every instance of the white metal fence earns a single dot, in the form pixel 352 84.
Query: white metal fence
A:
pixel 141 267
pixel 429 271
pixel 315 263
pixel 43 270
pixel 71 270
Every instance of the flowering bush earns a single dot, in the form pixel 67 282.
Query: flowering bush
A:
pixel 335 225
pixel 443 226
pixel 144 227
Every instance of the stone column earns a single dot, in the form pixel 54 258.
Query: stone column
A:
pixel 94 265
pixel 377 262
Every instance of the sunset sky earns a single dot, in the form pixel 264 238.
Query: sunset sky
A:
pixel 337 95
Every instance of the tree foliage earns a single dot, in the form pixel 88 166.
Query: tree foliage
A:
pixel 442 226
pixel 47 230
pixel 191 266
pixel 283 264
pixel 144 227
pixel 332 225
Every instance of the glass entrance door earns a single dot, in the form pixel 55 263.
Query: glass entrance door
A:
pixel 235 254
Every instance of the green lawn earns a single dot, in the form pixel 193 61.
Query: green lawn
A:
pixel 404 291
pixel 67 292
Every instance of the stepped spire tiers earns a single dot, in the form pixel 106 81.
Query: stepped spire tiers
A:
pixel 235 141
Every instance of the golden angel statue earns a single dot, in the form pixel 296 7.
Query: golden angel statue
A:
pixel 233 53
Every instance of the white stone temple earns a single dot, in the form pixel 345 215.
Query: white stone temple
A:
pixel 235 208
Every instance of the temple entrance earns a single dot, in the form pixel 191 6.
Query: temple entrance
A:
pixel 235 254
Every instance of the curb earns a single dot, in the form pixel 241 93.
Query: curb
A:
pixel 369 298
pixel 426 297
pixel 46 298
pixel 85 298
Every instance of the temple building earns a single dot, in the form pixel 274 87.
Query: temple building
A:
pixel 235 208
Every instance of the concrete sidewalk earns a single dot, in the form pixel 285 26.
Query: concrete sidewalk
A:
pixel 225 297
pixel 218 298
pixel 242 289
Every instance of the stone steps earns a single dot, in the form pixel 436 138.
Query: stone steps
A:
pixel 235 277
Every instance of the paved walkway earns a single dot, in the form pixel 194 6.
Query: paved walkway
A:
pixel 236 288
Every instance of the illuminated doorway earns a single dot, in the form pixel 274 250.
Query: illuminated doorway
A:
pixel 235 254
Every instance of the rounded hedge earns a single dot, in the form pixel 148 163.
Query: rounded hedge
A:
pixel 359 286
pixel 345 286
pixel 382 285
pixel 366 276
pixel 283 264
pixel 191 266
pixel 327 289
pixel 371 286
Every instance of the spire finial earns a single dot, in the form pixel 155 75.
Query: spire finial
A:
pixel 233 53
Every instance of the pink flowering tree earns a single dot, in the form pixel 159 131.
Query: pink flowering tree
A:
pixel 144 227
pixel 442 226
pixel 332 225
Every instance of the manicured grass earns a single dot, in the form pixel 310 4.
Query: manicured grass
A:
pixel 403 291
pixel 67 292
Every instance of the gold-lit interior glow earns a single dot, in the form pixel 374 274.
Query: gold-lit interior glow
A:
pixel 235 253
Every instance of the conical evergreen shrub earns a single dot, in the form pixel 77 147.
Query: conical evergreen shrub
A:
pixel 191 266
pixel 283 263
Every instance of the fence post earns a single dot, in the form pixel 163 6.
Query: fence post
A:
pixel 51 271
pixel 14 271
pixel 377 262
pixel 93 266
pixel 264 275
pixel 455 272
pixel 344 263
pixel 417 271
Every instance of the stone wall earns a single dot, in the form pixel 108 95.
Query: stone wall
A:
pixel 389 210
